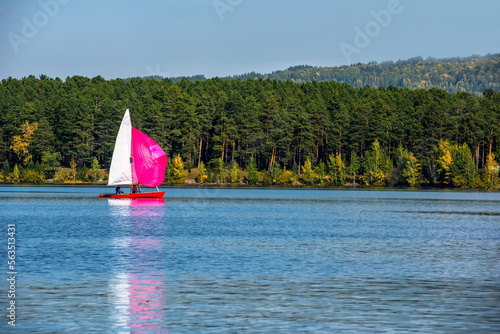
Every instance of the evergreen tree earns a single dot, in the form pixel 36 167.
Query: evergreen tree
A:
pixel 407 168
pixel 463 171
pixel 252 172
pixel 94 171
pixel 234 172
pixel 221 171
pixel 354 167
pixel 337 170
pixel 377 166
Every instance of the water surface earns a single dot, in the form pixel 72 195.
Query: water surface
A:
pixel 218 260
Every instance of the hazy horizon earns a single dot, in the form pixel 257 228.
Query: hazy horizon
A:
pixel 61 38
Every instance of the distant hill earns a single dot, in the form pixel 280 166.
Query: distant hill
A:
pixel 472 74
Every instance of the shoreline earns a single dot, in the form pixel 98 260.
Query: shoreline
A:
pixel 229 185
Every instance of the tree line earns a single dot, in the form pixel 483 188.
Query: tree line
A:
pixel 270 131
pixel 473 74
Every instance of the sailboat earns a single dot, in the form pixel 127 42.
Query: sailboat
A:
pixel 137 160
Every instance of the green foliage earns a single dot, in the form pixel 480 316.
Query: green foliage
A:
pixel 407 168
pixel 221 171
pixel 16 174
pixel 473 74
pixel 463 171
pixel 51 159
pixel 33 176
pixel 202 173
pixel 286 177
pixel 252 172
pixel 179 174
pixel 234 172
pixel 81 175
pixel 64 175
pixel 376 165
pixel 445 152
pixel 308 174
pixel 266 125
pixel 73 171
pixel 354 167
pixel 491 178
pixel 337 170
pixel 93 174
pixel 6 167
pixel 21 143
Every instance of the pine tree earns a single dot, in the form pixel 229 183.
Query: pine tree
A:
pixel 234 172
pixel 407 167
pixel 377 166
pixel 354 167
pixel 94 171
pixel 337 169
pixel 221 170
pixel 463 171
pixel 252 172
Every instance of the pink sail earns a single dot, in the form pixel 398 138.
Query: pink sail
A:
pixel 149 161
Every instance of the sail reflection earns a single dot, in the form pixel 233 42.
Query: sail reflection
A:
pixel 127 207
pixel 138 288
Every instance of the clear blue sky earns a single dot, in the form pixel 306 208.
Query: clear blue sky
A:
pixel 124 38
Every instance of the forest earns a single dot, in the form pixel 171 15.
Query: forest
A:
pixel 253 131
pixel 473 74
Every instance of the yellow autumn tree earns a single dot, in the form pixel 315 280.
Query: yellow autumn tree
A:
pixel 491 172
pixel 179 174
pixel 445 159
pixel 308 173
pixel 21 143
pixel 202 173
pixel 234 172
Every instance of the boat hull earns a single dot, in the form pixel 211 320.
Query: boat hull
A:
pixel 158 194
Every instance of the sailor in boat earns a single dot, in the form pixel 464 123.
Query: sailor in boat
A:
pixel 135 189
pixel 118 190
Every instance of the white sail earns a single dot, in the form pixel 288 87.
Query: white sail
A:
pixel 120 172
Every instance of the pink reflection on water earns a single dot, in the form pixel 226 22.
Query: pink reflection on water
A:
pixel 137 207
pixel 146 292
pixel 139 286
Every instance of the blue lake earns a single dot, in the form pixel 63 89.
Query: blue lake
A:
pixel 252 260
